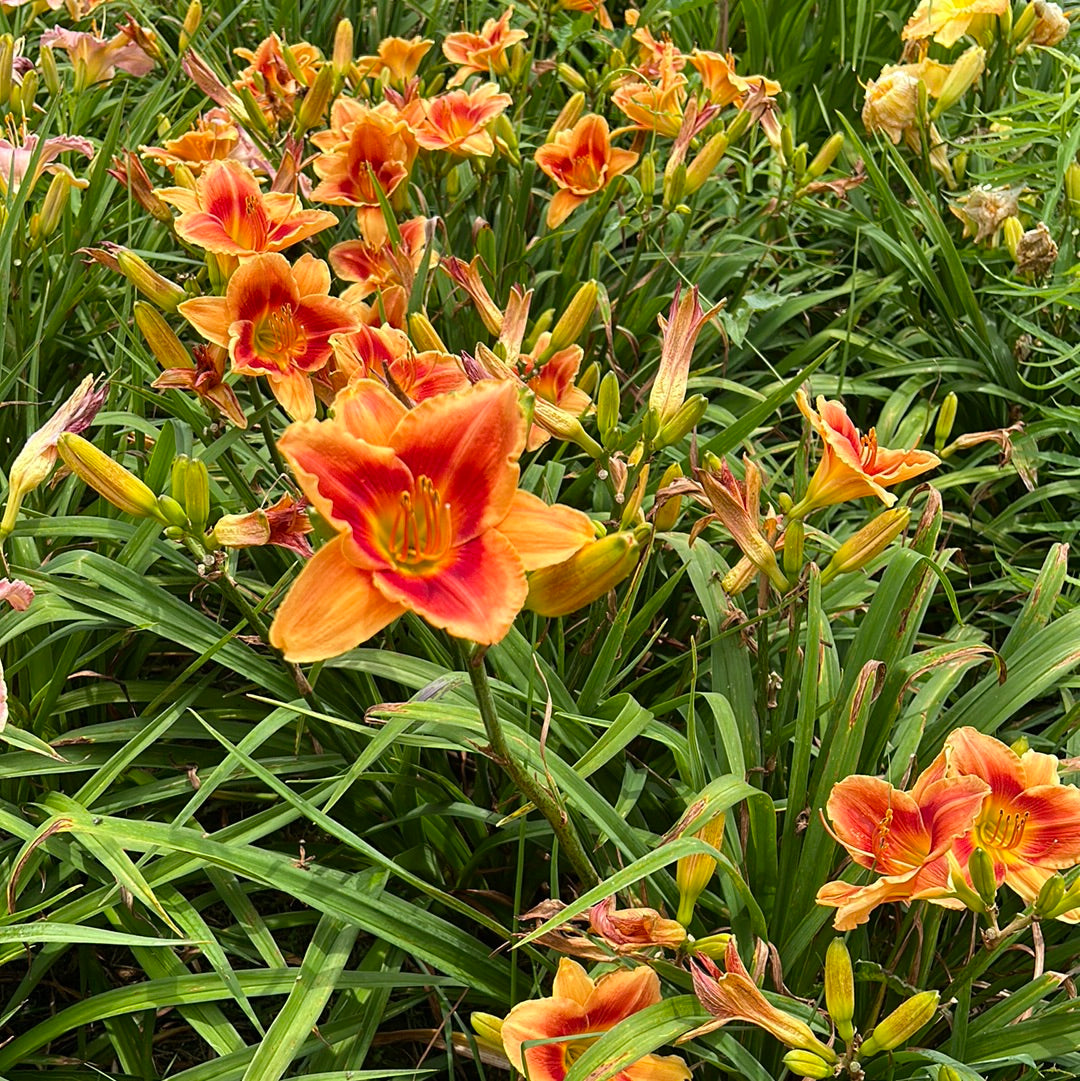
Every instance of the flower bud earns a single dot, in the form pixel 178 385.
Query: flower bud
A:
pixel 824 158
pixel 588 574
pixel 787 142
pixel 575 320
pixel 794 539
pixel 572 79
pixel 667 513
pixel 7 56
pixel 49 71
pixel 488 1029
pixel 1072 188
pixel 962 76
pixel 163 342
pixel 191 489
pixel 342 56
pixel 693 873
pixel 981 871
pixel 192 22
pixel 949 1073
pixel 164 293
pixel 607 408
pixel 46 221
pixel 173 513
pixel 674 185
pixel 568 116
pixel 798 164
pixel 901 1024
pixel 1050 897
pixel 506 139
pixel 1068 903
pixel 631 515
pixel 714 946
pixel 705 162
pixel 807 1064
pixel 946 419
pixel 684 420
pixel 316 100
pixel 423 334
pixel 647 175
pixel 840 988
pixel 868 542
pixel 1023 26
pixel 108 478
pixel 1012 231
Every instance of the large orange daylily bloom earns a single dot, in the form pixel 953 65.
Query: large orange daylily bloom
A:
pixel 374 267
pixel 903 836
pixel 275 320
pixel 484 52
pixel 733 996
pixel 581 1007
pixel 457 122
pixel 947 21
pixel 228 214
pixel 853 465
pixel 582 161
pixel 428 515
pixel 364 149
pixel 721 82
pixel 398 58
pixel 655 106
pixel 214 138
pixel 1029 822
pixel 273 83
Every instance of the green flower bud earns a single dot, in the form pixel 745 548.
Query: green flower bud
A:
pixel 901 1024
pixel 840 988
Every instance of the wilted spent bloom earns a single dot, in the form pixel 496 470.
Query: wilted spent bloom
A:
pixel 947 21
pixel 284 524
pixel 1051 24
pixel 108 478
pixel 985 209
pixel 16 593
pixel 693 873
pixel 467 276
pixel 1036 252
pixel 630 930
pixel 129 170
pixel 483 52
pixel 95 59
pixel 582 162
pixel 733 996
pixel 679 333
pixel 35 461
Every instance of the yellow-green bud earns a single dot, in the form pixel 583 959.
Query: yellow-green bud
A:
pixel 799 161
pixel 506 139
pixel 316 100
pixel 693 873
pixel 1070 900
pixel 674 185
pixel 607 407
pixel 108 478
pixel 192 22
pixel 981 870
pixel 249 530
pixel 1012 232
pixel 962 76
pixel 172 512
pixel 794 538
pixel 575 320
pixel 49 71
pixel 164 293
pixel 684 420
pixel 787 141
pixel 568 116
pixel 647 175
pixel 52 207
pixel 22 95
pixel 1025 24
pixel 571 78
pixel 1050 897
pixel 667 514
pixel 631 514
pixel 807 1064
pixel 949 1073
pixel 163 343
pixel 342 56
pixel 945 421
pixel 191 489
pixel 901 1024
pixel 739 126
pixel 714 946
pixel 7 55
pixel 588 574
pixel 824 158
pixel 488 1029
pixel 1072 188
pixel 840 988
pixel 589 379
pixel 705 161
pixel 423 335
pixel 868 542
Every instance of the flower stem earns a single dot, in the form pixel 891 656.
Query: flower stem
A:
pixel 567 836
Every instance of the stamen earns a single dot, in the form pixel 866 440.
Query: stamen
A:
pixel 422 530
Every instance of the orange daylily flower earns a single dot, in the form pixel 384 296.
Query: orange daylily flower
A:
pixel 733 996
pixel 428 515
pixel 947 21
pixel 386 354
pixel 377 266
pixel 214 138
pixel 655 53
pixel 275 320
pixel 271 80
pixel 484 52
pixel 595 7
pixel 362 148
pixel 655 106
pixel 722 84
pixel 903 836
pixel 582 162
pixel 554 382
pixel 96 60
pixel 1029 822
pixel 585 1008
pixel 853 465
pixel 206 379
pixel 457 121
pixel 398 57
pixel 228 214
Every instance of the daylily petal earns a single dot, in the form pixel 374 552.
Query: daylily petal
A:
pixel 331 608
pixel 572 981
pixel 312 276
pixel 468 444
pixel 544 534
pixel 210 317
pixel 621 993
pixel 295 393
pixel 657 1068
pixel 542 1019
pixel 1049 826
pixel 369 411
pixel 475 591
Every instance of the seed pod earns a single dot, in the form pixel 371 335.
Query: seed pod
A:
pixel 108 478
pixel 901 1024
pixel 807 1064
pixel 840 988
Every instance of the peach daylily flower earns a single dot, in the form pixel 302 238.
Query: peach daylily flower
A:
pixel 228 214
pixel 374 267
pixel 1029 822
pixel 397 57
pixel 554 382
pixel 655 53
pixel 485 52
pixel 364 149
pixel 275 320
pixel 96 60
pixel 947 21
pixel 15 158
pixel 272 82
pixel 457 122
pixel 585 1008
pixel 654 106
pixel 595 8
pixel 582 161
pixel 902 836
pixel 853 465
pixel 428 516
pixel 722 85
pixel 214 138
